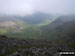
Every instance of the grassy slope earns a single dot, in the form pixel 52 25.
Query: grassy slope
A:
pixel 24 30
pixel 62 33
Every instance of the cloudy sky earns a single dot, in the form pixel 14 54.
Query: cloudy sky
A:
pixel 23 7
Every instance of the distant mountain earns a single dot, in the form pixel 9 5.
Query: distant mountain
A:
pixel 63 23
pixel 60 20
pixel 37 17
pixel 24 25
pixel 62 29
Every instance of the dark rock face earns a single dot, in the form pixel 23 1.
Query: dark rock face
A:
pixel 29 47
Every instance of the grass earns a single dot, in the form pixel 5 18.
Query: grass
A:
pixel 72 45
pixel 45 22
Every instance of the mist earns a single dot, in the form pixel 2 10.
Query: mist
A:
pixel 25 7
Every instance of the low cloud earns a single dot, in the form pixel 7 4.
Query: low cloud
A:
pixel 23 7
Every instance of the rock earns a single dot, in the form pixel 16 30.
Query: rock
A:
pixel 21 47
pixel 16 54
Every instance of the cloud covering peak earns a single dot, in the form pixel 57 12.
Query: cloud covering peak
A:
pixel 23 7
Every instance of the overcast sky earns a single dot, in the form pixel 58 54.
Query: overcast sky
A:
pixel 23 7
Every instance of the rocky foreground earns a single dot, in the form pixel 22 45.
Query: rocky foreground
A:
pixel 30 47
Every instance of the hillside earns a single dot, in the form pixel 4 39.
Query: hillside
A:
pixel 24 26
pixel 62 29
pixel 9 25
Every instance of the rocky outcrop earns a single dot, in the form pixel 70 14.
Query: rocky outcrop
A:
pixel 29 47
